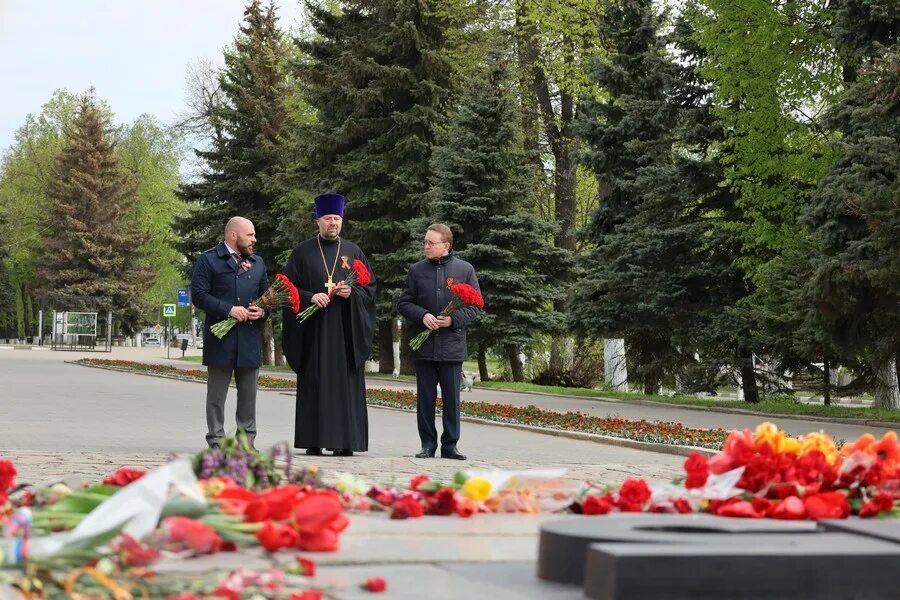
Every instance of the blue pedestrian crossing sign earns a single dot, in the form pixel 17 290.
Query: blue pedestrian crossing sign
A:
pixel 168 310
pixel 183 298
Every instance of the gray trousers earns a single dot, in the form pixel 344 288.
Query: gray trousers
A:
pixel 217 384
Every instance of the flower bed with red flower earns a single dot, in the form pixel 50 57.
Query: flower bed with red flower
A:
pixel 658 432
pixel 462 294
pixel 281 293
pixel 359 275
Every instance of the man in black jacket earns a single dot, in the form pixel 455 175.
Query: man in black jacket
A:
pixel 227 278
pixel 426 293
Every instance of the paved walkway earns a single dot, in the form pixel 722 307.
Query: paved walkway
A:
pixel 58 420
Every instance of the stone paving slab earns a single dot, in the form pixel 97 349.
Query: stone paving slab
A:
pixel 429 557
pixel 49 467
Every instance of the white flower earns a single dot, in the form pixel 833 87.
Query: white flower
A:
pixel 349 483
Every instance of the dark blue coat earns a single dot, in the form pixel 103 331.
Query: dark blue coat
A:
pixel 427 290
pixel 218 285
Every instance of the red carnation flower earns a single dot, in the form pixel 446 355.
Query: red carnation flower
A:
pixel 375 584
pixel 407 508
pixel 290 288
pixel 633 495
pixel 597 505
pixel 363 276
pixel 697 469
pixel 7 475
pixel 123 476
pixel 467 294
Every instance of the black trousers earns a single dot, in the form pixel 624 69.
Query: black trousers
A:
pixel 430 373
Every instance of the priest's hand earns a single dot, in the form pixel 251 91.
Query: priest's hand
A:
pixel 239 313
pixel 321 299
pixel 445 321
pixel 343 290
pixel 254 312
pixel 430 321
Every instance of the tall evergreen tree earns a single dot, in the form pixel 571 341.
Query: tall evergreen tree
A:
pixel 96 249
pixel 659 274
pixel 379 82
pixel 855 224
pixel 629 136
pixel 481 185
pixel 245 157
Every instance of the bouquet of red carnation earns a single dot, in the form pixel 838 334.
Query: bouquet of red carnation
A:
pixel 281 293
pixel 463 295
pixel 358 275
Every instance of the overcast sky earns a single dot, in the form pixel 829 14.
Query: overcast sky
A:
pixel 134 52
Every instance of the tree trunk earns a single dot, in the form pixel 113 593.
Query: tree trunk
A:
pixel 407 365
pixel 482 364
pixel 557 361
pixel 385 346
pixel 279 352
pixel 515 363
pixel 886 393
pixel 826 381
pixel 748 376
pixel 268 337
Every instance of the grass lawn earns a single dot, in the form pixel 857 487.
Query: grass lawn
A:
pixel 776 406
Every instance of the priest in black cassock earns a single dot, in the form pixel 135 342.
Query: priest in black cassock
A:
pixel 328 350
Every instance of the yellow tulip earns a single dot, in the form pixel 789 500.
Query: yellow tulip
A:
pixel 767 434
pixel 821 442
pixel 477 489
pixel 789 445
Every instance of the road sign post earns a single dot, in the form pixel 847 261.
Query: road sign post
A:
pixel 169 314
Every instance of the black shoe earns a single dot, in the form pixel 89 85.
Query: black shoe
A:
pixel 314 451
pixel 452 453
pixel 425 453
pixel 343 452
pixel 215 446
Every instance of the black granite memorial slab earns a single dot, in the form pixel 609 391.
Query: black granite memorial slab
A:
pixel 564 543
pixel 823 566
pixel 882 529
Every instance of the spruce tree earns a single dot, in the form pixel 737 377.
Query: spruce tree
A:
pixel 481 189
pixel 855 224
pixel 629 141
pixel 659 273
pixel 240 167
pixel 95 255
pixel 376 76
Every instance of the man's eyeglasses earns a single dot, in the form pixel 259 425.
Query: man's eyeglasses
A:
pixel 430 244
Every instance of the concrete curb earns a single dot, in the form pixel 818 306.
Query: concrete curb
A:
pixel 672 449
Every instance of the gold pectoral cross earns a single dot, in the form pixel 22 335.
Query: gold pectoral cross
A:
pixel 329 285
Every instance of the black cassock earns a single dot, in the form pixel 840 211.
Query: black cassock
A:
pixel 328 351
